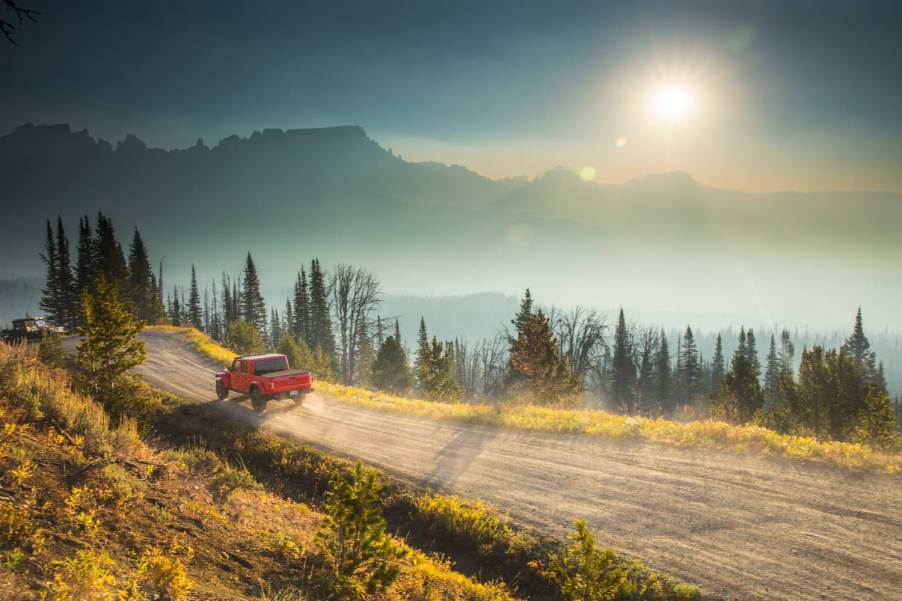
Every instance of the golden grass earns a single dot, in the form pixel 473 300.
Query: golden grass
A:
pixel 705 434
pixel 203 343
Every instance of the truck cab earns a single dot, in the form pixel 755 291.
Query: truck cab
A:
pixel 263 377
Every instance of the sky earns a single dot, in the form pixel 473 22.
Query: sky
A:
pixel 801 95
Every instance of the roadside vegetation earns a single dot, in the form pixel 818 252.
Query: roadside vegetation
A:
pixel 709 433
pixel 89 511
pixel 360 543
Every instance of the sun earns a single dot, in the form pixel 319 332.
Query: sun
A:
pixel 672 103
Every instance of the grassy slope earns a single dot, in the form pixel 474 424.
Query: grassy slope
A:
pixel 91 512
pixel 479 541
pixel 699 434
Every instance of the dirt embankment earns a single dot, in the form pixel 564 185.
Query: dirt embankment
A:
pixel 741 527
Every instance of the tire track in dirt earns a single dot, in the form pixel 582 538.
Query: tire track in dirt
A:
pixel 742 527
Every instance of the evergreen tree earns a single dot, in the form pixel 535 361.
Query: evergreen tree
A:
pixel 536 364
pixel 522 317
pixel 85 263
pixel 300 325
pixel 647 384
pixel 362 559
pixel 109 260
pixel 751 350
pixel 739 397
pixel 787 352
pixel 110 347
pixel 320 322
pixel 876 424
pixel 664 377
pixel 858 347
pixel 390 370
pixel 366 357
pixel 275 328
pixel 773 372
pixel 692 374
pixel 195 317
pixel 253 308
pixel 398 332
pixel 68 300
pixel 50 295
pixel 582 571
pixel 440 384
pixel 143 296
pixel 379 334
pixel 623 368
pixel 244 338
pixel 421 364
pixel 717 366
pixel 288 318
pixel 175 308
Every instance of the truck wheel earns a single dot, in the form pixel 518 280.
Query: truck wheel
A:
pixel 222 393
pixel 258 401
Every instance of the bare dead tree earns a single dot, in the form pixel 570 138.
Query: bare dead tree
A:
pixel 355 294
pixel 581 337
pixel 491 354
pixel 20 14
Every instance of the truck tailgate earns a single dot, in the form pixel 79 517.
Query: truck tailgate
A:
pixel 288 380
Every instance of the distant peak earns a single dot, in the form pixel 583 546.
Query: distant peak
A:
pixel 669 177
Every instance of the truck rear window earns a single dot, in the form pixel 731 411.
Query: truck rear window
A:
pixel 265 366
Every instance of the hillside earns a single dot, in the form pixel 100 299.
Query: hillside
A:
pixel 705 514
pixel 423 228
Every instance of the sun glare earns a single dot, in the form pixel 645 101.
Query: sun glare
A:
pixel 671 103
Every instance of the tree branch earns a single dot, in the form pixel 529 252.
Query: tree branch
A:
pixel 22 14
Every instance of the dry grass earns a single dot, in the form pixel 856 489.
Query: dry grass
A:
pixel 706 434
pixel 110 534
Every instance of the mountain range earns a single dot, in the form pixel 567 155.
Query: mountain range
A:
pixel 659 242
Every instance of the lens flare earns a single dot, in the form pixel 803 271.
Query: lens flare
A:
pixel 587 173
pixel 621 142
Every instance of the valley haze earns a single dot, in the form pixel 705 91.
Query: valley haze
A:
pixel 663 245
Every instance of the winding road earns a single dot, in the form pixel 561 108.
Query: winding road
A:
pixel 741 527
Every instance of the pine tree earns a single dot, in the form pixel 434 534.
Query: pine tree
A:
pixel 108 256
pixel 85 263
pixel 275 328
pixel 787 352
pixel 379 333
pixel 859 348
pixel 320 324
pixel 751 350
pixel 739 397
pixel 423 355
pixel 110 347
pixel 440 384
pixel 646 386
pixel 193 310
pixel 664 377
pixel 876 425
pixel 717 366
pixel 522 317
pixel 362 559
pixel 623 368
pixel 366 357
pixel 253 308
pixel 536 364
pixel 300 325
pixel 175 308
pixel 50 295
pixel 398 332
pixel 68 301
pixel 772 374
pixel 143 296
pixel 582 571
pixel 692 375
pixel 390 370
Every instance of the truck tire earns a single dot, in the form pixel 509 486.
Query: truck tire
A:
pixel 258 401
pixel 222 393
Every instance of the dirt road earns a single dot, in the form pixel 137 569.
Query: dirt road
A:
pixel 741 527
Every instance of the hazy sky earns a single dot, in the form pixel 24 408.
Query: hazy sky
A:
pixel 801 95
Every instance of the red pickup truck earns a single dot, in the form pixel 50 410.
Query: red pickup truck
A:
pixel 263 377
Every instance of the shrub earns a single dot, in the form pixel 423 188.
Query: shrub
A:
pixel 470 520
pixel 164 573
pixel 87 575
pixel 361 558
